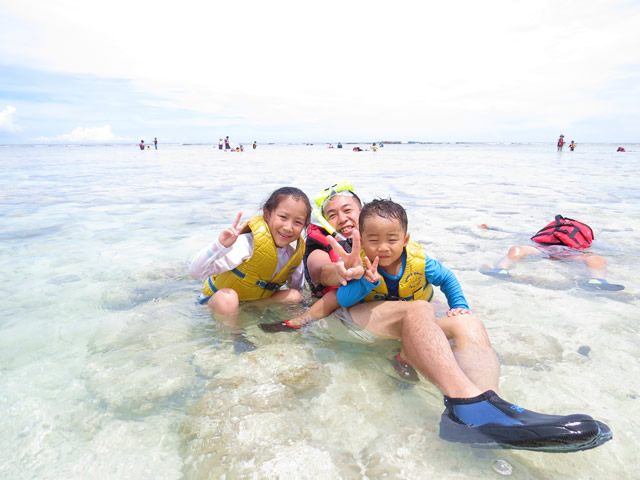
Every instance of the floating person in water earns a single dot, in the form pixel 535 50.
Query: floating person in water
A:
pixel 141 145
pixel 155 142
pixel 339 145
pixel 562 239
pixel 621 149
pixel 572 145
pixel 397 269
pixel 560 143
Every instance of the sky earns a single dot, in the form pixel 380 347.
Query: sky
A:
pixel 83 71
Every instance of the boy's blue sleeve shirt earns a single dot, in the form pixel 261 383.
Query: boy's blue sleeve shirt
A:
pixel 440 276
pixel 354 291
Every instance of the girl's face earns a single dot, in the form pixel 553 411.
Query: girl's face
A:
pixel 286 221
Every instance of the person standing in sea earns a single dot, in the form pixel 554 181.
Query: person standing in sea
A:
pixel 560 143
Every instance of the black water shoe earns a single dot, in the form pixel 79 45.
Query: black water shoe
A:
pixel 487 421
pixel 406 371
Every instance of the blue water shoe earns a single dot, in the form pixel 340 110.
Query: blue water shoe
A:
pixel 497 273
pixel 487 421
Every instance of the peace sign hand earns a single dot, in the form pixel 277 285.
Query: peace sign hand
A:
pixel 351 265
pixel 229 235
pixel 371 273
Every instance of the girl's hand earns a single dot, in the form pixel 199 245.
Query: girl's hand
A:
pixel 371 273
pixel 457 311
pixel 229 235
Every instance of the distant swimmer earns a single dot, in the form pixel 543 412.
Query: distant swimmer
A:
pixel 339 145
pixel 141 144
pixel 255 144
pixel 572 145
pixel 357 149
pixel 220 143
pixel 155 142
pixel 374 146
pixel 560 143
pixel 621 149
pixel 227 146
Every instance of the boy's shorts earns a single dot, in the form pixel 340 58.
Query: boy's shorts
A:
pixel 558 252
pixel 340 326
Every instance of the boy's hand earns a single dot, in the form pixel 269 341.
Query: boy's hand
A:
pixel 351 266
pixel 229 235
pixel 457 311
pixel 371 273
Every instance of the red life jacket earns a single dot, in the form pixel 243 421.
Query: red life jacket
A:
pixel 320 235
pixel 565 231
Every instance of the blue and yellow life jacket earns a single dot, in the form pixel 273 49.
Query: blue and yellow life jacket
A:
pixel 413 285
pixel 253 279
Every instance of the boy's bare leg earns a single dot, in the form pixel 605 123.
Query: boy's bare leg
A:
pixel 515 254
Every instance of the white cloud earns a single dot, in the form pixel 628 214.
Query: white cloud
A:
pixel 440 66
pixel 89 134
pixel 6 119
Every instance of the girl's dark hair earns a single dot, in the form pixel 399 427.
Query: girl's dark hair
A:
pixel 280 194
pixel 386 209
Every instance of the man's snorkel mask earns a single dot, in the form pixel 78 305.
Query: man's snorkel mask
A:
pixel 342 188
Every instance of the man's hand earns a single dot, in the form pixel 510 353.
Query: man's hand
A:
pixel 350 266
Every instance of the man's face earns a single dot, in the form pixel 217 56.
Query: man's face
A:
pixel 342 212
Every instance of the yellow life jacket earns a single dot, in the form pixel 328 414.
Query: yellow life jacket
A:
pixel 253 278
pixel 412 285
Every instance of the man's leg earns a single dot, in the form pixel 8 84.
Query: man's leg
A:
pixel 424 342
pixel 472 350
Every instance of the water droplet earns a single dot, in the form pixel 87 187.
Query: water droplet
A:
pixel 502 467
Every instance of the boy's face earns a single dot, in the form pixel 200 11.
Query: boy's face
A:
pixel 384 238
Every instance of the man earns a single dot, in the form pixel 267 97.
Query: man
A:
pixel 467 373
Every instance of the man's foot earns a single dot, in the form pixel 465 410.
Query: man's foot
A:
pixel 487 421
pixel 497 273
pixel 279 327
pixel 406 371
pixel 601 284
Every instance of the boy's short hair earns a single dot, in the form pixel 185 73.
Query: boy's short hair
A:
pixel 385 208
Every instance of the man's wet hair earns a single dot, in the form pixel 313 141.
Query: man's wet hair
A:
pixel 385 208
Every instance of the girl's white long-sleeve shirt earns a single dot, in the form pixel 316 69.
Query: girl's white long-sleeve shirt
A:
pixel 215 259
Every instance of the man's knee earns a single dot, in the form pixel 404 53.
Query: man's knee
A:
pixel 464 329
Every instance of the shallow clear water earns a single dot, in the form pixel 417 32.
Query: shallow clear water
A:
pixel 108 368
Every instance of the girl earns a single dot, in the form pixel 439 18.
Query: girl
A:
pixel 254 260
